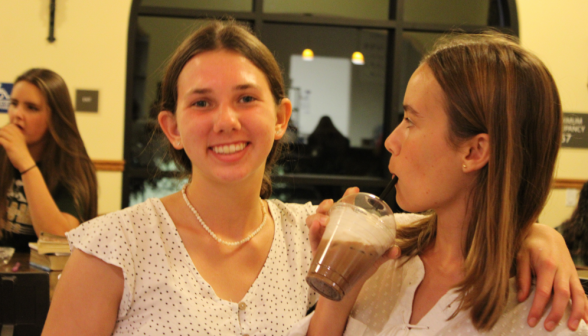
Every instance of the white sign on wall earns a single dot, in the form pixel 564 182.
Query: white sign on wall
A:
pixel 5 91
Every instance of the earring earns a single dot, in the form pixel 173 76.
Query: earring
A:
pixel 177 143
pixel 464 166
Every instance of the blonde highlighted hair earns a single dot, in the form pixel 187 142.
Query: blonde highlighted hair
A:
pixel 494 86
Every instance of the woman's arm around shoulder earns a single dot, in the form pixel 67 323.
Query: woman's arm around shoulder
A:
pixel 544 253
pixel 86 299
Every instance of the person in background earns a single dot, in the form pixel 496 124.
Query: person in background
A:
pixel 477 146
pixel 47 177
pixel 218 257
pixel 575 230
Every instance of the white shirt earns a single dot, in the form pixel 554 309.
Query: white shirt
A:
pixel 165 295
pixel 384 307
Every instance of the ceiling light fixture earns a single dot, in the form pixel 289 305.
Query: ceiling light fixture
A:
pixel 307 55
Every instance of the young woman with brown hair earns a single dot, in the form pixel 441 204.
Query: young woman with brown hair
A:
pixel 478 145
pixel 218 257
pixel 49 180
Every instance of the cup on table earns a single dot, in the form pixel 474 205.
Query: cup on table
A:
pixel 361 228
pixel 5 255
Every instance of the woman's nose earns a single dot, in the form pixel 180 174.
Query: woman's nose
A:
pixel 392 143
pixel 227 120
pixel 14 112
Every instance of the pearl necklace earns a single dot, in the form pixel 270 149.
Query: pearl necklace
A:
pixel 244 240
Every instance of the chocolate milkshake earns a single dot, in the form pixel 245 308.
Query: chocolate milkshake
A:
pixel 356 236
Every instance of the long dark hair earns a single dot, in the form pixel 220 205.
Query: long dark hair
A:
pixel 64 160
pixel 234 37
pixel 575 229
pixel 494 86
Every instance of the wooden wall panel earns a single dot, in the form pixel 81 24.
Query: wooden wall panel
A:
pixel 109 165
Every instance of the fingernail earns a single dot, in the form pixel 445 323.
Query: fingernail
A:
pixel 532 321
pixel 550 325
pixel 323 220
pixel 575 324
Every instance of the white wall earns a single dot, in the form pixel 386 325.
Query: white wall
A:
pixel 557 32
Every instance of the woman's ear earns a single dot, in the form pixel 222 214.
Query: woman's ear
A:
pixel 284 113
pixel 169 126
pixel 476 153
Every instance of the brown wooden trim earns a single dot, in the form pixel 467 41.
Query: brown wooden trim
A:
pixel 109 165
pixel 568 183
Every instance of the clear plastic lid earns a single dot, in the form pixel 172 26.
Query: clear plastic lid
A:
pixel 372 206
pixel 370 203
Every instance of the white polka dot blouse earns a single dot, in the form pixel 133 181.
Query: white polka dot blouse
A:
pixel 164 293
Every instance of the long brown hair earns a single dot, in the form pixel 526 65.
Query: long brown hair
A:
pixel 234 37
pixel 494 86
pixel 64 160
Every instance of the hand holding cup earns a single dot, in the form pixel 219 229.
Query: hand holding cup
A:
pixel 318 222
pixel 353 246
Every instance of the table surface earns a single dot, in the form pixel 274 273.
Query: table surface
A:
pixel 23 259
pixel 25 267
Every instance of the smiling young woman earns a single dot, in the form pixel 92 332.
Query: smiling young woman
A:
pixel 218 257
pixel 226 119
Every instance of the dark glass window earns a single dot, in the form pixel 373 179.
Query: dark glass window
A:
pixel 220 5
pixel 458 12
pixel 155 41
pixel 365 9
pixel 153 187
pixel 342 111
pixel 159 38
pixel 414 46
pixel 338 106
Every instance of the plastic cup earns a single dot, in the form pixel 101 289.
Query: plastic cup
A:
pixel 361 228
pixel 5 255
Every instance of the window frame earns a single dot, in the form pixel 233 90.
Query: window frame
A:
pixel 395 26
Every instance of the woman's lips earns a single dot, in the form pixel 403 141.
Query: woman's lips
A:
pixel 229 149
